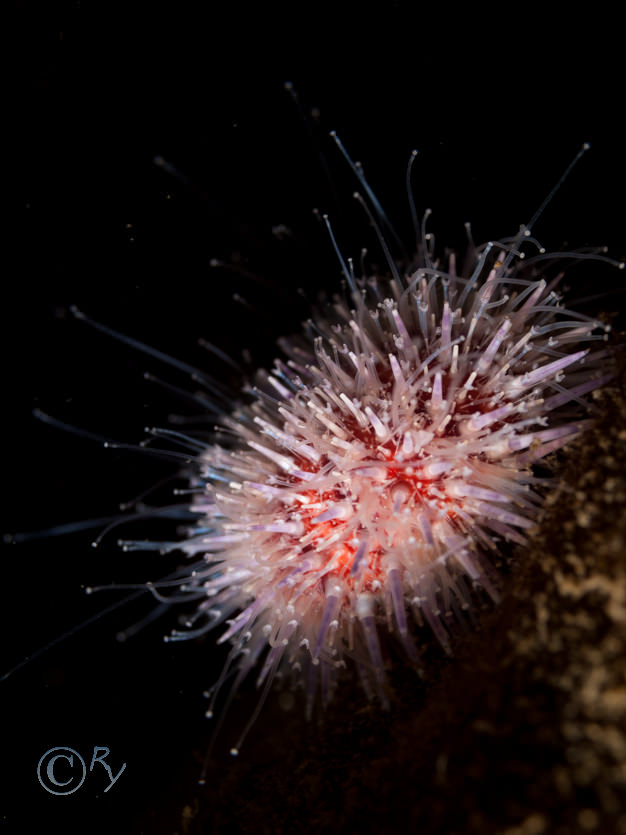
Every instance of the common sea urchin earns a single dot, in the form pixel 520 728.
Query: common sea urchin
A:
pixel 371 474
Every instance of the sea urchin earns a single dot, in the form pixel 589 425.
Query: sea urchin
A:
pixel 369 476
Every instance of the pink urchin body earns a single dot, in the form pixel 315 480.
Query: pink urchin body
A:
pixel 377 466
pixel 367 480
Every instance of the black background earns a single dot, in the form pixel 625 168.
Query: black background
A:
pixel 497 108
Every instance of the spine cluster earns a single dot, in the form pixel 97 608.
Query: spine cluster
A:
pixel 379 464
